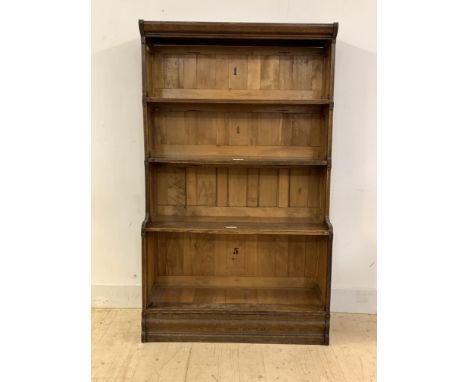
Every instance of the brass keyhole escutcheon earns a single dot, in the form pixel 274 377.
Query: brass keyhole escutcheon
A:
pixel 235 252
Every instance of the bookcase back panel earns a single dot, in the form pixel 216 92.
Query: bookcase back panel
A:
pixel 218 68
pixel 189 259
pixel 238 131
pixel 234 191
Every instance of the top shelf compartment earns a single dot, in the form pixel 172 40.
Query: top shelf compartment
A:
pixel 237 74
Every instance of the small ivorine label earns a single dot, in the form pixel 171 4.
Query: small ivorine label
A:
pixel 237 158
pixel 231 226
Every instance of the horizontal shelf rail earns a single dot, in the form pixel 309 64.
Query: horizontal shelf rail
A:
pixel 219 226
pixel 237 161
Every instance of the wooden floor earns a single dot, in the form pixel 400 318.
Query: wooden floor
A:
pixel 118 355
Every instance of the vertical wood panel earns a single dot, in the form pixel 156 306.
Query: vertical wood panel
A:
pixel 281 255
pixel 238 72
pixel 176 186
pixel 171 72
pixel 157 77
pixel 161 254
pixel 283 187
pixel 285 72
pixel 175 254
pixel 174 128
pixel 286 130
pixel 237 183
pixel 160 181
pixel 315 185
pixel 202 247
pixel 296 249
pixel 268 129
pixel 171 186
pixel 191 118
pixel 250 253
pixel 315 125
pixel 252 187
pixel 206 186
pixel 240 129
pixel 269 72
pixel 187 260
pixel 151 268
pixel 206 128
pixel 268 187
pixel 299 187
pixel 301 129
pixel 191 186
pixel 221 256
pixel 206 68
pixel 221 187
pixel 312 258
pixel 236 254
pixel 265 256
pixel 222 132
pixel 253 68
pixel 222 71
pixel 322 266
pixel 189 80
pixel 157 129
pixel 317 75
pixel 302 76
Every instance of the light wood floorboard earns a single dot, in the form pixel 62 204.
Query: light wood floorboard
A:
pixel 118 355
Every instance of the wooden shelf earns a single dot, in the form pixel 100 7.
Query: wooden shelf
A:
pixel 215 160
pixel 254 299
pixel 236 226
pixel 291 97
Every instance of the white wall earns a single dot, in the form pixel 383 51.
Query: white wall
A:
pixel 117 137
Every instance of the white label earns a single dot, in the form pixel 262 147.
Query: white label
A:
pixel 230 226
pixel 237 158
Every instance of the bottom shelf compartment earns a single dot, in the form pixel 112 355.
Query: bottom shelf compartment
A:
pixel 235 314
pixel 236 288
pixel 236 299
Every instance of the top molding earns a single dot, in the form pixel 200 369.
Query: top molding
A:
pixel 238 30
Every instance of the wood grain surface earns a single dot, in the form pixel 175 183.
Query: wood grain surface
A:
pixel 237 242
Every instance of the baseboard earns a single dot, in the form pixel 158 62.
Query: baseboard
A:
pixel 116 296
pixel 129 296
pixel 354 301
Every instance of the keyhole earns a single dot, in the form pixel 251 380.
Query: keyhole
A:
pixel 236 251
pixel 238 130
pixel 235 70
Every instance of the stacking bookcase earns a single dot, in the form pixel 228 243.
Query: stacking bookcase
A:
pixel 237 242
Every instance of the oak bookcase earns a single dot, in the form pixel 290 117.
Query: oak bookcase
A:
pixel 237 243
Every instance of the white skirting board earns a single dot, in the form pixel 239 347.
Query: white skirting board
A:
pixel 129 296
pixel 116 296
pixel 354 301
